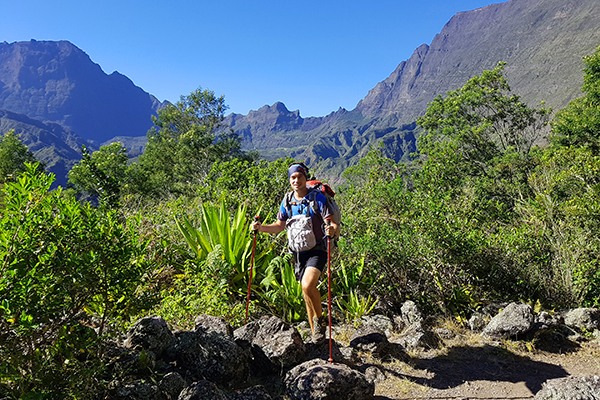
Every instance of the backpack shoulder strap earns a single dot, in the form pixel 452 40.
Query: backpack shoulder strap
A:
pixel 312 199
pixel 287 203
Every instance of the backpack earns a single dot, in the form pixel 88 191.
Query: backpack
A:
pixel 315 187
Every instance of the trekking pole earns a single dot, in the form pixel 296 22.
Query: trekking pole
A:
pixel 256 219
pixel 329 289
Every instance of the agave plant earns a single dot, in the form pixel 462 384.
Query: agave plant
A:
pixel 233 237
pixel 282 291
pixel 356 306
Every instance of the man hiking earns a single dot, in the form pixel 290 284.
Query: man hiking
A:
pixel 309 220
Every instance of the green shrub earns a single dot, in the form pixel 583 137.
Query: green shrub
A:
pixel 200 290
pixel 62 264
pixel 281 292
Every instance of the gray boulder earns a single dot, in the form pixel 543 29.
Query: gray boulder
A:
pixel 415 336
pixel 151 333
pixel 374 374
pixel 476 322
pixel 209 323
pixel 410 313
pixel 398 322
pixel 244 335
pixel 348 356
pixel 137 391
pixel 444 333
pixel 583 318
pixel 543 321
pixel 380 322
pixel 252 393
pixel 278 342
pixel 134 362
pixel 515 319
pixel 572 387
pixel 318 379
pixel 211 356
pixel 370 339
pixel 202 390
pixel 171 385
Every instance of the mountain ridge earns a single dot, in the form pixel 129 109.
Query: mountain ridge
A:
pixel 51 143
pixel 55 81
pixel 542 41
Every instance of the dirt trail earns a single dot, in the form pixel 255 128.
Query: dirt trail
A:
pixel 500 370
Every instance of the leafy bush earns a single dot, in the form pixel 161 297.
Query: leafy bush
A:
pixel 259 185
pixel 234 239
pixel 62 264
pixel 199 290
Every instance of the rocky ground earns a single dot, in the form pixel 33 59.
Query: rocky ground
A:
pixel 470 367
pixel 511 355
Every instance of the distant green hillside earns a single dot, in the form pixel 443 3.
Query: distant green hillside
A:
pixel 56 146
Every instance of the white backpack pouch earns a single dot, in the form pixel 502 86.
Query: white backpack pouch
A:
pixel 301 236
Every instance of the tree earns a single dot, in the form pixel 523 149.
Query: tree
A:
pixel 483 119
pixel 479 137
pixel 578 124
pixel 187 138
pixel 13 156
pixel 102 174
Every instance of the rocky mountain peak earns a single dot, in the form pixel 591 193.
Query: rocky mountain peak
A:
pixel 58 82
pixel 542 41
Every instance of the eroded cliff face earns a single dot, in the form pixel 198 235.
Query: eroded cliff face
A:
pixel 542 41
pixel 58 82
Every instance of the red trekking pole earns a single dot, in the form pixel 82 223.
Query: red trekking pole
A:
pixel 251 268
pixel 329 289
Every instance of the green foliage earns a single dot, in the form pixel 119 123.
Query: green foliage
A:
pixel 281 291
pixel 483 120
pixel 579 123
pixel 13 156
pixel 564 211
pixel 356 306
pixel 60 261
pixel 260 184
pixel 199 290
pixel 234 238
pixel 478 140
pixel 102 174
pixel 432 233
pixel 352 284
pixel 346 278
pixel 182 146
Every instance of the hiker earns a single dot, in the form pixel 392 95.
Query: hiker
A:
pixel 307 231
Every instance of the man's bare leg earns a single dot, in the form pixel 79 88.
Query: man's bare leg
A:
pixel 312 296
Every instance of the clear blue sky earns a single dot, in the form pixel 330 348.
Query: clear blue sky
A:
pixel 315 56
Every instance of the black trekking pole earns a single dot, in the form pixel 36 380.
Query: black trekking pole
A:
pixel 329 289
pixel 251 268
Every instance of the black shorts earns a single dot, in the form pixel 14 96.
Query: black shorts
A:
pixel 315 258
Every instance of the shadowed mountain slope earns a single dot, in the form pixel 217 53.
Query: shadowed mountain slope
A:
pixel 51 143
pixel 58 82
